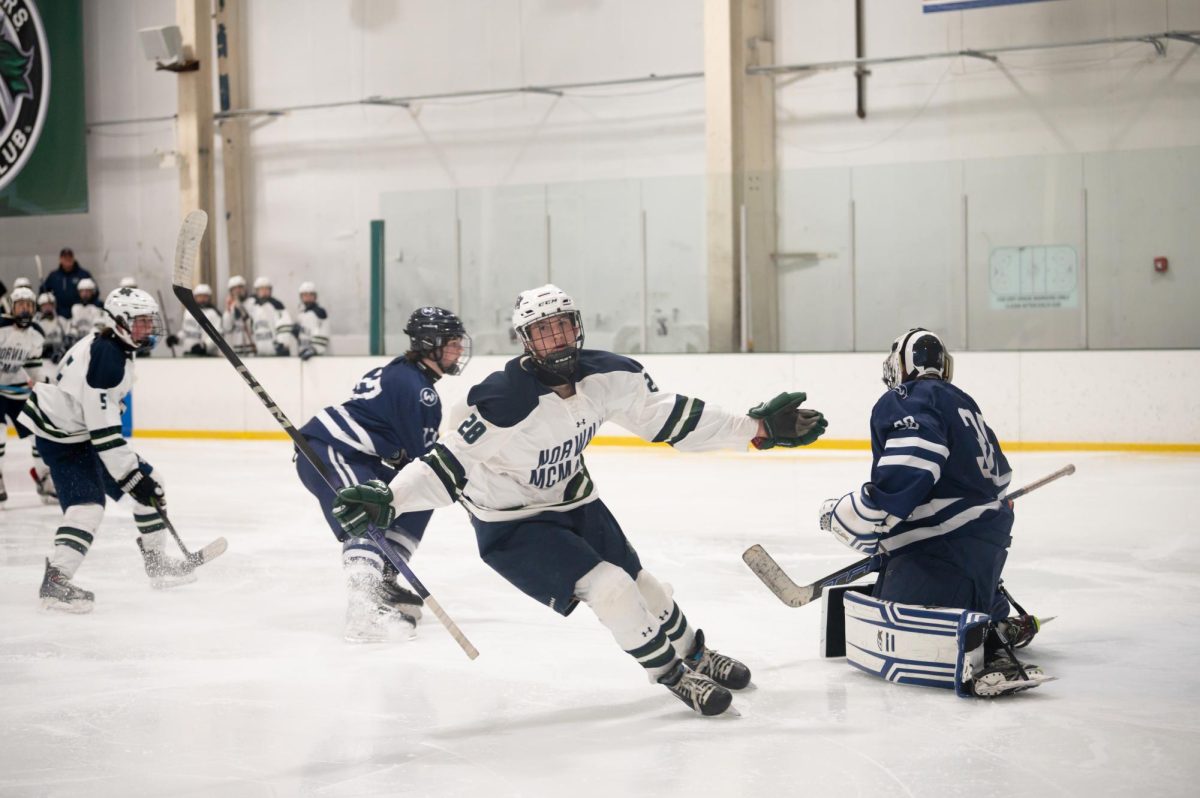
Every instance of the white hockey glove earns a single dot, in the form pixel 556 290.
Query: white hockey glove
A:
pixel 854 523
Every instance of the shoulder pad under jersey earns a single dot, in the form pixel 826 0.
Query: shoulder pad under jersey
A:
pixel 506 398
pixel 106 368
pixel 595 361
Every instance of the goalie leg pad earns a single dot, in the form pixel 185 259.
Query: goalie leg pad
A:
pixel 912 644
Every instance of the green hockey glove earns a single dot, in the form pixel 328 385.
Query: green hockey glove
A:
pixel 786 423
pixel 360 506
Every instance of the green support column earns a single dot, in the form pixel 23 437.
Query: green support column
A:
pixel 377 287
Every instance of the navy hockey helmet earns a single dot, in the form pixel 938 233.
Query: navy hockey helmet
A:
pixel 536 305
pixel 429 330
pixel 917 354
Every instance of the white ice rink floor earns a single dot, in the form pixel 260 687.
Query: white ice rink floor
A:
pixel 240 684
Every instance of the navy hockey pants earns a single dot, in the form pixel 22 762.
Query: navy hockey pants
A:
pixel 79 475
pixel 347 467
pixel 956 572
pixel 545 555
pixel 10 408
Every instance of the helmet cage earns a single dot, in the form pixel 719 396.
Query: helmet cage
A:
pixel 561 360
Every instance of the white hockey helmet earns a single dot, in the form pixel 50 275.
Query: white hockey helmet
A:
pixel 236 281
pixel 23 294
pixel 87 284
pixel 307 287
pixel 126 307
pixel 46 298
pixel 203 289
pixel 917 354
pixel 546 302
pixel 22 282
pixel 128 282
pixel 262 282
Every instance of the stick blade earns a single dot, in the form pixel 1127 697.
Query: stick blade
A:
pixel 187 247
pixel 765 568
pixel 209 553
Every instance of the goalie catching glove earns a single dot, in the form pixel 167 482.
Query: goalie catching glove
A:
pixel 360 506
pixel 856 521
pixel 786 424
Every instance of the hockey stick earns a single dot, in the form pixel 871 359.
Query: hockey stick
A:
pixel 778 582
pixel 185 261
pixel 210 552
pixel 166 323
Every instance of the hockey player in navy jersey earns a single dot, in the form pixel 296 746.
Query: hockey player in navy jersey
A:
pixel 77 419
pixel 934 510
pixel 515 462
pixel 391 418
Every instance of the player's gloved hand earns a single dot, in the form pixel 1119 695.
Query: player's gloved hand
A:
pixel 295 330
pixel 786 423
pixel 360 506
pixel 307 352
pixel 854 523
pixel 144 488
pixel 197 349
pixel 172 340
pixel 281 350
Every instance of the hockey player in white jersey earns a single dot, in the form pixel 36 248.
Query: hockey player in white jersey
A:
pixel 78 422
pixel 194 340
pixel 86 314
pixel 515 462
pixel 312 324
pixel 6 300
pixel 271 322
pixel 56 330
pixel 21 344
pixel 235 321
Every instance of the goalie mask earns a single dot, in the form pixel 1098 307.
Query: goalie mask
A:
pixel 134 318
pixel 430 330
pixel 917 354
pixel 23 306
pixel 551 328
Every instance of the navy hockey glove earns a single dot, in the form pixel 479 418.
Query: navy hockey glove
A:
pixel 281 350
pixel 360 506
pixel 786 423
pixel 307 352
pixel 172 340
pixel 144 488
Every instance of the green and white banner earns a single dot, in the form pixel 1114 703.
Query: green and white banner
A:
pixel 43 153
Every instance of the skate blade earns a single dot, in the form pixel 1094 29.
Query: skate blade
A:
pixel 1009 688
pixel 168 582
pixel 75 608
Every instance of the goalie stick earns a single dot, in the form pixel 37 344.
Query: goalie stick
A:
pixel 778 582
pixel 186 250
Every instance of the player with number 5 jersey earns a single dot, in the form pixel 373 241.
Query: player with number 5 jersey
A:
pixel 391 418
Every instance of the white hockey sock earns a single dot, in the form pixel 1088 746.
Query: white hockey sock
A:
pixel 671 619
pixel 403 543
pixel 73 539
pixel 361 556
pixel 618 603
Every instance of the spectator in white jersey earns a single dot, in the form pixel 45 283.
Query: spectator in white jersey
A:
pixel 55 328
pixel 235 322
pixel 86 314
pixel 515 462
pixel 20 366
pixel 312 324
pixel 271 322
pixel 195 341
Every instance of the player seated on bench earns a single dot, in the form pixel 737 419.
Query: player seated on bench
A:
pixel 936 513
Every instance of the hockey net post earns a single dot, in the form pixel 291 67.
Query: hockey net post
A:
pixel 187 249
pixel 778 582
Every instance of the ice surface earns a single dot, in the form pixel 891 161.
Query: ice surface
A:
pixel 240 684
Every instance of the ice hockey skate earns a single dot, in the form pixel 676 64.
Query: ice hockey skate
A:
pixel 57 593
pixel 165 572
pixel 698 691
pixel 1002 675
pixel 378 609
pixel 725 671
pixel 1020 630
